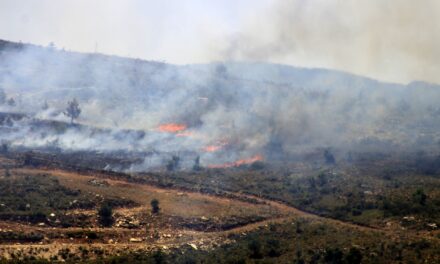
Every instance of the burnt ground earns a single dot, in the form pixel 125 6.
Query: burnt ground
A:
pixel 200 221
pixel 186 218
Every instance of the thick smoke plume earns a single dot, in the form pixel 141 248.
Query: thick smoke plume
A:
pixel 226 113
pixel 390 40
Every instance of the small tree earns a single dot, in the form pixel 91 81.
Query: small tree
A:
pixel 354 256
pixel 155 209
pixel 254 247
pixel 105 213
pixel 73 111
pixel 333 255
pixel 173 164
pixel 11 102
pixel 28 160
pixel 197 166
pixel 420 197
pixel 2 96
pixel 274 248
pixel 45 106
pixel 4 148
pixel 299 258
pixel 159 257
pixel 51 45
pixel 329 158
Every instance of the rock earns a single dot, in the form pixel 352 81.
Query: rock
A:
pixel 193 246
pixel 135 240
pixel 110 241
pixel 99 183
pixel 432 225
pixel 409 218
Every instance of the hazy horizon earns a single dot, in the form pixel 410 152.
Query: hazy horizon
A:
pixel 390 41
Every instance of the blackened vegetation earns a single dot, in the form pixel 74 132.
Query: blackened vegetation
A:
pixel 20 237
pixel 317 243
pixel 155 209
pixel 77 160
pixel 354 192
pixel 8 45
pixel 197 166
pixel 212 225
pixel 72 111
pixel 366 190
pixel 329 158
pixel 173 163
pixel 105 214
pixel 7 119
pixel 427 164
pixel 34 198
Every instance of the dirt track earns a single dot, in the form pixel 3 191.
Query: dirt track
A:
pixel 289 211
pixel 171 237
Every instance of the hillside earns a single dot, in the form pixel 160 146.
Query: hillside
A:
pixel 224 112
pixel 227 162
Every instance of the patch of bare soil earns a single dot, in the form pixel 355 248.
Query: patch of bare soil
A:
pixel 191 219
pixel 186 218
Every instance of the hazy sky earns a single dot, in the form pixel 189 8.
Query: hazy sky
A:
pixel 396 40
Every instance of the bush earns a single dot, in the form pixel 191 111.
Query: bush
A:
pixel 354 256
pixel 420 197
pixel 254 247
pixel 257 165
pixel 105 213
pixel 333 256
pixel 155 206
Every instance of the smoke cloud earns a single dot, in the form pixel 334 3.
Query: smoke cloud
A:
pixel 222 112
pixel 395 41
pixel 390 40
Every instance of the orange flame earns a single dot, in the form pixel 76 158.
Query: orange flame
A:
pixel 211 148
pixel 237 163
pixel 172 128
pixel 215 147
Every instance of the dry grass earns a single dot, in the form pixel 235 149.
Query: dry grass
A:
pixel 172 201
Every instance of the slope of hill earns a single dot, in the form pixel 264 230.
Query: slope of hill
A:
pixel 223 111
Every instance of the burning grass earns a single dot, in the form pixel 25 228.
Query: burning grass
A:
pixel 238 163
pixel 172 128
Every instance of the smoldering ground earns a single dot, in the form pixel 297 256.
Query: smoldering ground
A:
pixel 222 112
